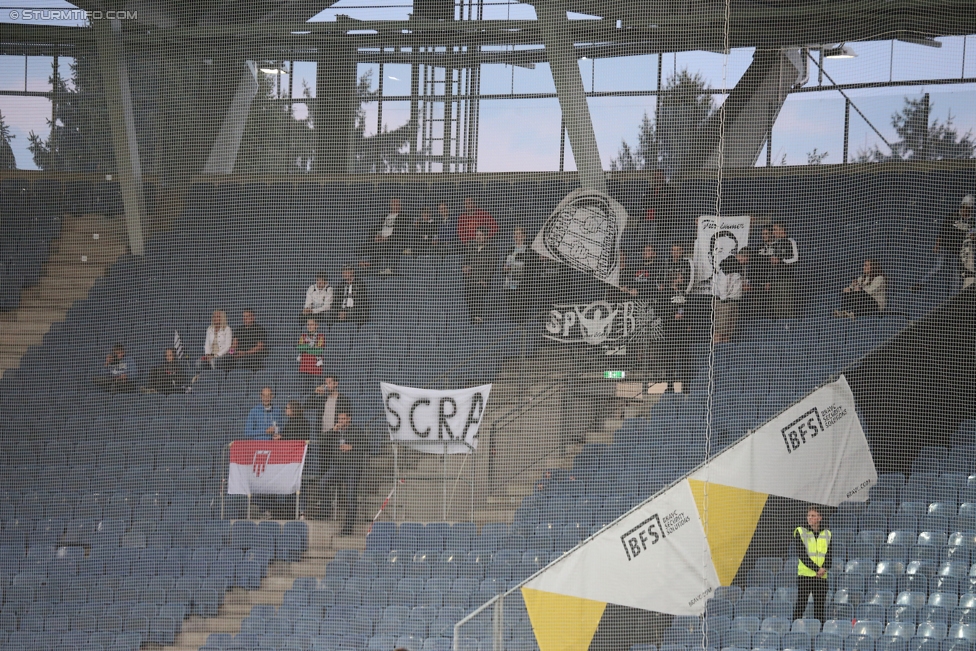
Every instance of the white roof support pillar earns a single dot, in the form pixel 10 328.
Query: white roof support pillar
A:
pixel 572 98
pixel 115 81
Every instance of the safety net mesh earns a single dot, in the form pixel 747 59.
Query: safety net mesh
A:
pixel 482 325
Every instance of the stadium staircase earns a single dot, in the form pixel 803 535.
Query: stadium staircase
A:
pixel 323 544
pixel 86 248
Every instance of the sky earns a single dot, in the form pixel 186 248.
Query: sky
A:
pixel 523 134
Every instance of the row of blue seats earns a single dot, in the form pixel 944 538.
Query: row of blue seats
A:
pixel 827 642
pixel 149 527
pixel 70 641
pixel 382 642
pixel 110 618
pixel 226 563
pixel 88 594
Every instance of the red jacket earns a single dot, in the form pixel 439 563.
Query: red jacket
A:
pixel 469 222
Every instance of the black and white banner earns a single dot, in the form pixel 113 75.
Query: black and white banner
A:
pixel 584 232
pixel 601 323
pixel 718 238
pixel 435 422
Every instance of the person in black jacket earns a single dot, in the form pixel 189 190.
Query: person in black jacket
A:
pixel 677 328
pixel 296 427
pixel 326 403
pixel 477 270
pixel 169 377
pixel 353 301
pixel 343 455
pixel 388 241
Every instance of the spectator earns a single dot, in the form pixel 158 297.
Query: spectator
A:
pixel 425 233
pixel 318 299
pixel 677 263
pixel 949 244
pixel 446 240
pixel 677 332
pixel 119 374
pixel 264 420
pixel 516 270
pixel 763 252
pixel 220 340
pixel 865 296
pixel 747 306
pixel 250 343
pixel 966 259
pixel 645 272
pixel 388 240
pixel 169 377
pixel 296 427
pixel 623 291
pixel 478 262
pixel 343 451
pixel 726 294
pixel 353 302
pixel 327 401
pixel 472 219
pixel 780 288
pixel 311 345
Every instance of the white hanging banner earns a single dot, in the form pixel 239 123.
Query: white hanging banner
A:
pixel 814 451
pixel 584 232
pixel 718 238
pixel 670 553
pixel 655 558
pixel 436 422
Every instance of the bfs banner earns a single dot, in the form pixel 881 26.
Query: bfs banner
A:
pixel 435 422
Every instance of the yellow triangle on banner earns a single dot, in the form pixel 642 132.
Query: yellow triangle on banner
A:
pixel 729 516
pixel 560 622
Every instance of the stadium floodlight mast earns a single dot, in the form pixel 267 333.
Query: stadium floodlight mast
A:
pixel 842 51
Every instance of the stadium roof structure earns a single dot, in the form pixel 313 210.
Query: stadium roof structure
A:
pixel 280 30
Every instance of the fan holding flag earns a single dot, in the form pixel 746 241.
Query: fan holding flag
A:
pixel 169 377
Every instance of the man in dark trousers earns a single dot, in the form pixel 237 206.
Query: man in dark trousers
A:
pixel 250 343
pixel 353 303
pixel 477 270
pixel 343 452
pixel 811 545
pixel 169 377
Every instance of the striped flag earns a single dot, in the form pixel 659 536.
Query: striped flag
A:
pixel 178 344
pixel 261 467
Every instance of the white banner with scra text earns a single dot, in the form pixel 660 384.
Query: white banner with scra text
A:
pixel 435 422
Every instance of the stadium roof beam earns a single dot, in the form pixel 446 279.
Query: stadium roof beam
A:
pixel 572 97
pixel 115 81
pixel 650 26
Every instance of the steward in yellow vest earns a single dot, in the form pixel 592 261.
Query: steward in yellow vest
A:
pixel 811 545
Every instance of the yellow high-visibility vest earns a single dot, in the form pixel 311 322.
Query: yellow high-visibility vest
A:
pixel 816 546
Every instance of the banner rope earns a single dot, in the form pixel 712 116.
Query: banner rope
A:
pixel 710 392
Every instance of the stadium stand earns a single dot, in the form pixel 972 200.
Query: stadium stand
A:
pixel 110 512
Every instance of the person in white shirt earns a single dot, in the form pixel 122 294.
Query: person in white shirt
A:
pixel 219 342
pixel 726 294
pixel 866 294
pixel 318 299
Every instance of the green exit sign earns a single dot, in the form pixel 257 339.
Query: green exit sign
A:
pixel 614 375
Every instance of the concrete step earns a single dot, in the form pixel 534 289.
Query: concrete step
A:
pixel 37 314
pixel 13 328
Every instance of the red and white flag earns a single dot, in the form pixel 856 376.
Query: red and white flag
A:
pixel 262 467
